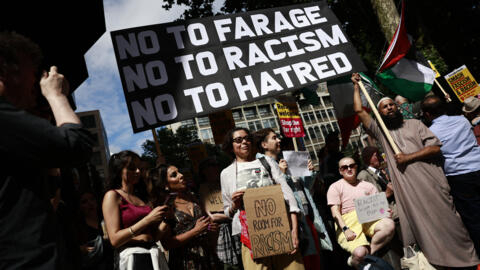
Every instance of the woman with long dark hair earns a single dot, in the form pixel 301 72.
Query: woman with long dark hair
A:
pixel 131 224
pixel 187 236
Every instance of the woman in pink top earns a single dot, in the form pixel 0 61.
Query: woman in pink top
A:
pixel 131 224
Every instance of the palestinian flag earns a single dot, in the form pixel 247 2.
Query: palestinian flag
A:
pixel 401 70
pixel 341 94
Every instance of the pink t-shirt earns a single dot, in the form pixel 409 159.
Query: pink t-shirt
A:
pixel 342 193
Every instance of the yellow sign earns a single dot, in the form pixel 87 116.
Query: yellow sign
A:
pixel 437 74
pixel 462 83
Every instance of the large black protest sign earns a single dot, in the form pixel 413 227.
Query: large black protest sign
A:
pixel 176 71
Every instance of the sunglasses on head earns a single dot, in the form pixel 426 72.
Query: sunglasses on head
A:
pixel 248 138
pixel 349 166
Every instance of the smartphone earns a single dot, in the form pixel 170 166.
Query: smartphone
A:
pixel 170 196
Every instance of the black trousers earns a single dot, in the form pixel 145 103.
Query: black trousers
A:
pixel 465 190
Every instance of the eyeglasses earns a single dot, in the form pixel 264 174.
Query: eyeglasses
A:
pixel 239 140
pixel 349 166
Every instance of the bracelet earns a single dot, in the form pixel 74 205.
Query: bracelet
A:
pixel 131 231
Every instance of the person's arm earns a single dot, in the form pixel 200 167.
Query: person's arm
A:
pixel 337 216
pixel 357 102
pixel 425 153
pixel 111 214
pixel 174 241
pixel 55 88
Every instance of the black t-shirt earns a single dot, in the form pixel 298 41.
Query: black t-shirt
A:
pixel 29 146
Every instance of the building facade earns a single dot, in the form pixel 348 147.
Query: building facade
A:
pixel 101 153
pixel 318 121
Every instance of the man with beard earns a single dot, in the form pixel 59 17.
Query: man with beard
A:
pixel 425 207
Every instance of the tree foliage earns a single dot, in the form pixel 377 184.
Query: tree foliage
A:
pixel 173 146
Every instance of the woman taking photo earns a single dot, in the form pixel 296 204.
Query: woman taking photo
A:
pixel 187 234
pixel 131 224
pixel 248 172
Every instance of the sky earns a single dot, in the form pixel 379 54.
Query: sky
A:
pixel 102 90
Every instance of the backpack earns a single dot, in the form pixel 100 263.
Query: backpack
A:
pixel 374 263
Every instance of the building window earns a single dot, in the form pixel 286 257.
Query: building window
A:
pixel 317 132
pixel 269 123
pixel 206 134
pixel 324 114
pixel 324 131
pixel 88 121
pixel 331 113
pixel 250 113
pixel 336 127
pixel 312 133
pixel 264 110
pixel 330 129
pixel 237 115
pixel 203 121
pixel 254 125
pixel 319 115
pixel 327 101
pixel 242 124
pixel 188 123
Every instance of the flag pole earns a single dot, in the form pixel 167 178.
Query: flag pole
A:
pixel 379 119
pixel 295 147
pixel 443 91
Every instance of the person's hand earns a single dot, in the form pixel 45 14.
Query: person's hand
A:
pixel 86 249
pixel 237 198
pixel 402 158
pixel 295 241
pixel 53 83
pixel 355 78
pixel 389 190
pixel 213 227
pixel 350 235
pixel 283 165
pixel 201 225
pixel 390 213
pixel 157 214
pixel 310 165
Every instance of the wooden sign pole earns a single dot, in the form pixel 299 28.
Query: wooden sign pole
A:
pixel 379 118
pixel 160 157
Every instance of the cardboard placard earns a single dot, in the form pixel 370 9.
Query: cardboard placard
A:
pixel 371 208
pixel 221 123
pixel 211 196
pixel 196 152
pixel 268 224
pixel 184 69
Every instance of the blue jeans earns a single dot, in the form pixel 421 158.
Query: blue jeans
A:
pixel 465 190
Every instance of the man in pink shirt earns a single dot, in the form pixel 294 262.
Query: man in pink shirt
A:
pixel 351 235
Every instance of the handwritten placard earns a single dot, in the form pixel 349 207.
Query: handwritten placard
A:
pixel 211 197
pixel 268 224
pixel 371 208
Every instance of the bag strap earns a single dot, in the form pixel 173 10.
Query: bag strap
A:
pixel 265 164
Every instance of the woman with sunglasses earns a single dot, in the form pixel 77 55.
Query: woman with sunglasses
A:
pixel 314 236
pixel 351 235
pixel 248 172
pixel 131 224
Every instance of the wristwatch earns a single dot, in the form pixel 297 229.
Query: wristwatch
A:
pixel 344 228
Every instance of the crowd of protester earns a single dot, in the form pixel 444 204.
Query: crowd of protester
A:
pixel 148 216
